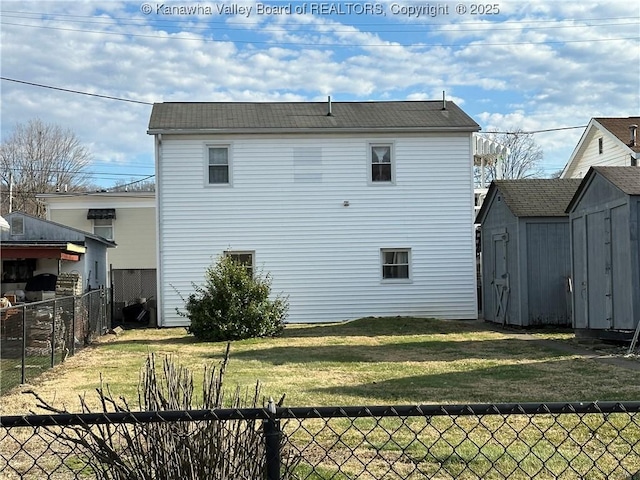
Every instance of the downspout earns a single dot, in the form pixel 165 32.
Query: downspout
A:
pixel 159 247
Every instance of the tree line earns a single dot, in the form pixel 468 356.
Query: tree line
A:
pixel 38 157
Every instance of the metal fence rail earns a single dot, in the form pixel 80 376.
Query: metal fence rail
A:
pixel 502 441
pixel 37 336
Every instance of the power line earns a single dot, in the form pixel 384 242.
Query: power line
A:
pixel 78 92
pixel 151 21
pixel 46 170
pixel 300 44
pixel 531 132
pixel 121 99
pixel 241 26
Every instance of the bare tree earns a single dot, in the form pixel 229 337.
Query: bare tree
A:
pixel 523 161
pixel 133 185
pixel 39 158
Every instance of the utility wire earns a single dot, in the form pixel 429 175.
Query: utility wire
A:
pixel 325 44
pixel 147 20
pixel 78 92
pixel 135 101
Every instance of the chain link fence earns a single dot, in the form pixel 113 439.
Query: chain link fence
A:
pixel 504 441
pixel 37 336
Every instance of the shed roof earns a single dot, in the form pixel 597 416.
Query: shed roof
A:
pixel 626 179
pixel 533 197
pixel 179 117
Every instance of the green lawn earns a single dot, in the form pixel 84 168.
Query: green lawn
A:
pixel 394 361
pixel 364 362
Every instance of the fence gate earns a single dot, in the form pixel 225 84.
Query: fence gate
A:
pixel 131 285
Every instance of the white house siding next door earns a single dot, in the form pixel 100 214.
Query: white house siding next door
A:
pixel 319 232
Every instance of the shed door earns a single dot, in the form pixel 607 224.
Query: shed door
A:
pixel 500 280
pixel 580 287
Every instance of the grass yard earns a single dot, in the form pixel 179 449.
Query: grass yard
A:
pixel 371 361
pixel 381 361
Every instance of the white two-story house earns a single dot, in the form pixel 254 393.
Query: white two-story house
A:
pixel 606 142
pixel 354 208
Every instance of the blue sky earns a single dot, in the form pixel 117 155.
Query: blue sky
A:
pixel 535 65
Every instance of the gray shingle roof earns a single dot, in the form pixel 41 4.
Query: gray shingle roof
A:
pixel 626 179
pixel 292 116
pixel 538 197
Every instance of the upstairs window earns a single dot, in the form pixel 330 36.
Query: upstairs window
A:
pixel 102 221
pixel 381 163
pixel 600 146
pixel 396 263
pixel 218 170
pixel 103 227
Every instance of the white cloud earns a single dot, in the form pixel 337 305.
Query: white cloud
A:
pixel 499 69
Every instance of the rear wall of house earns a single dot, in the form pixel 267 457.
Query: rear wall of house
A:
pixel 323 255
pixel 134 231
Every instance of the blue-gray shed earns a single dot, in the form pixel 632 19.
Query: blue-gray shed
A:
pixel 525 252
pixel 605 244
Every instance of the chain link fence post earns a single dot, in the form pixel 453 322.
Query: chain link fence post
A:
pixel 73 325
pixel 53 334
pixel 23 370
pixel 272 437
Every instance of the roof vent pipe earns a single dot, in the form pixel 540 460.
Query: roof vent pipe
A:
pixel 444 101
pixel 633 131
pixel 329 113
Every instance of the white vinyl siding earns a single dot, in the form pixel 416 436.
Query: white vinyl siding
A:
pixel 612 155
pixel 324 255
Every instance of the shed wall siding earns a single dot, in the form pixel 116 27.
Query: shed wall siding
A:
pixel 323 255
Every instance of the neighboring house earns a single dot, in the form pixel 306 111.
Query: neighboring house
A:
pixel 353 208
pixel 526 262
pixel 605 142
pixel 129 219
pixel 605 232
pixel 33 246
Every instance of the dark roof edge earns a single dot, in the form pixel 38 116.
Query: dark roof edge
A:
pixel 109 243
pixel 293 130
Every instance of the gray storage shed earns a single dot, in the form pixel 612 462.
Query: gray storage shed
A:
pixel 605 244
pixel 525 254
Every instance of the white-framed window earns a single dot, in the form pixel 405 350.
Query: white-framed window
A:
pixel 246 258
pixel 396 264
pixel 218 165
pixel 381 163
pixel 103 227
pixel 17 226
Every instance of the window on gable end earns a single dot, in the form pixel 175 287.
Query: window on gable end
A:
pixel 600 146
